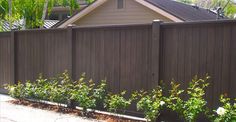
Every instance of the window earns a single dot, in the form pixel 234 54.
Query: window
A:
pixel 54 16
pixel 64 16
pixel 120 4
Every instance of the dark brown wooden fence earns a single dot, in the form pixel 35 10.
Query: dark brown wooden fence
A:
pixel 6 59
pixel 200 48
pixel 130 57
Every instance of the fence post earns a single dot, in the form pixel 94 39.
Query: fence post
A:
pixel 71 43
pixel 155 52
pixel 13 58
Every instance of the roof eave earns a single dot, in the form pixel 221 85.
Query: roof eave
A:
pixel 160 11
pixel 82 13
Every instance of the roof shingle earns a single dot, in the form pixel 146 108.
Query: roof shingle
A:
pixel 184 11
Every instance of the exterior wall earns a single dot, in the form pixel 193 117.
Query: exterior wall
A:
pixel 132 13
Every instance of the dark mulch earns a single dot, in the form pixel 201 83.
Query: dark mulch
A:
pixel 93 115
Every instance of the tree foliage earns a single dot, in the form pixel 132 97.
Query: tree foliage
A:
pixel 228 6
pixel 32 10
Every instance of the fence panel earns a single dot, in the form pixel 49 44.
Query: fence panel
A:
pixel 198 49
pixel 118 54
pixel 5 59
pixel 41 51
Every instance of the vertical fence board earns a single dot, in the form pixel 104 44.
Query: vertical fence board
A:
pixel 6 60
pixel 232 62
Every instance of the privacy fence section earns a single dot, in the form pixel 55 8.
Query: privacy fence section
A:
pixel 199 48
pixel 41 51
pixel 119 54
pixel 130 57
pixel 6 59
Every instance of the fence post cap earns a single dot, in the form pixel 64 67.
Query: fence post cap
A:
pixel 71 25
pixel 156 20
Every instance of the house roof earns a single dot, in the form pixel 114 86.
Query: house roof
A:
pixel 50 23
pixel 184 11
pixel 17 25
pixel 174 10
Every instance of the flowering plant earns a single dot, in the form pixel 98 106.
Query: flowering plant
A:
pixel 151 103
pixel 225 113
pixel 191 108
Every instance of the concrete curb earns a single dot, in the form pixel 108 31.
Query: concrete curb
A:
pixel 96 111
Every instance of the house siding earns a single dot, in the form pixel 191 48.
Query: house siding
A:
pixel 132 13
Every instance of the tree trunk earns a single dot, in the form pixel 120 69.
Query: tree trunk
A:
pixel 44 11
pixel 10 13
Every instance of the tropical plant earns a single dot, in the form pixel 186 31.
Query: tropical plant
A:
pixel 33 12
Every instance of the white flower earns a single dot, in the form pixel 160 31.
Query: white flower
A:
pixel 12 89
pixel 162 103
pixel 63 82
pixel 221 111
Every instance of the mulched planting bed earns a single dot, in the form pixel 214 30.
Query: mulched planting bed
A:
pixel 64 110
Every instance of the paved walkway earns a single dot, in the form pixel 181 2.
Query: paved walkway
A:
pixel 17 113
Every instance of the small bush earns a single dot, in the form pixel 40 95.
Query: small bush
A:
pixel 191 108
pixel 118 102
pixel 225 113
pixel 16 91
pixel 151 103
pixel 83 94
pixel 29 90
pixel 42 88
pixel 100 95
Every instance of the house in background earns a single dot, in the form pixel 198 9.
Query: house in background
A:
pixel 110 12
pixel 60 13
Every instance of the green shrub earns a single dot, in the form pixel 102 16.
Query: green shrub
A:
pixel 29 90
pixel 67 85
pixel 83 94
pixel 58 94
pixel 151 103
pixel 118 102
pixel 16 91
pixel 100 95
pixel 42 88
pixel 191 108
pixel 225 113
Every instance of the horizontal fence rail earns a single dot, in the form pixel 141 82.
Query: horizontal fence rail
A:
pixel 130 57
